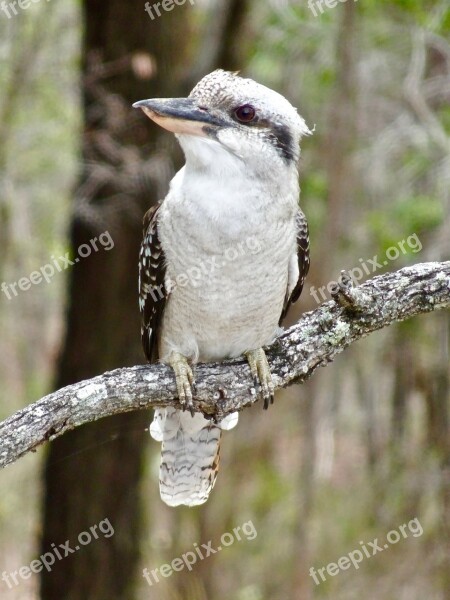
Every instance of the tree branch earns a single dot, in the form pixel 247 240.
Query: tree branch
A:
pixel 223 388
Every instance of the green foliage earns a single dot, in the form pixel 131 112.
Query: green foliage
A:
pixel 444 115
pixel 313 198
pixel 419 214
pixel 272 487
pixel 398 188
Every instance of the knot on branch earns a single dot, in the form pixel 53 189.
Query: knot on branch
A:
pixel 346 294
pixel 223 388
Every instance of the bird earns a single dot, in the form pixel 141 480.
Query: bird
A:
pixel 223 257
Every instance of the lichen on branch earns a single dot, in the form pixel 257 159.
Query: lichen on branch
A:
pixel 225 387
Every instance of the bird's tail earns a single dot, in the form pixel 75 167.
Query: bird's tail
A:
pixel 189 454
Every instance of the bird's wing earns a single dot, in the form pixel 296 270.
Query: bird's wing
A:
pixel 152 292
pixel 298 264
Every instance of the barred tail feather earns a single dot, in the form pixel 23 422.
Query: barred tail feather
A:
pixel 189 456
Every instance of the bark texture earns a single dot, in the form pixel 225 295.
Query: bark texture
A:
pixel 127 163
pixel 226 387
pixel 125 57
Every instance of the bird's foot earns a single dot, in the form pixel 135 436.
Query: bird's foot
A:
pixel 262 376
pixel 184 378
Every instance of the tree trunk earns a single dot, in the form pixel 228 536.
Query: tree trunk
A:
pixel 338 144
pixel 93 473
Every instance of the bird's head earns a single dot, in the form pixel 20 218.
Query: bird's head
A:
pixel 224 112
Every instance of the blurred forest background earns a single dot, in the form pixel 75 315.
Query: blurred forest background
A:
pixel 355 452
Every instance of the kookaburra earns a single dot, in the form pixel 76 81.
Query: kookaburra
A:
pixel 223 257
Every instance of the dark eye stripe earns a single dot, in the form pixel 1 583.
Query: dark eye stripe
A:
pixel 283 141
pixel 279 135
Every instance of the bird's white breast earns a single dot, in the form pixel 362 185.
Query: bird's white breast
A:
pixel 227 244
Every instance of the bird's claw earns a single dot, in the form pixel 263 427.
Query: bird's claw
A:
pixel 262 377
pixel 184 379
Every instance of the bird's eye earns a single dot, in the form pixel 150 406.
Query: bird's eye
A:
pixel 245 113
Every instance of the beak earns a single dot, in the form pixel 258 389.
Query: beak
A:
pixel 179 115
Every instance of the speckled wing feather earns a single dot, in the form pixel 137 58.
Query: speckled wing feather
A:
pixel 295 287
pixel 152 293
pixel 190 445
